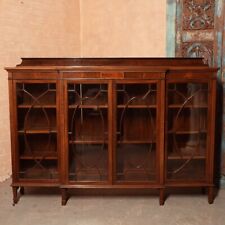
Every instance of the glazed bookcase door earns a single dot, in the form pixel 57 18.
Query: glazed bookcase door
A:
pixel 36 112
pixel 187 130
pixel 87 112
pixel 136 132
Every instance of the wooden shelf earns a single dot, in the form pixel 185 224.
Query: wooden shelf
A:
pixel 45 106
pixel 88 142
pixel 178 106
pixel 40 155
pixel 186 153
pixel 88 106
pixel 136 142
pixel 187 132
pixel 185 157
pixel 137 106
pixel 37 131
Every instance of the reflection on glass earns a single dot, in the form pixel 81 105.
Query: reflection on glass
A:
pixel 88 136
pixel 136 132
pixel 187 130
pixel 37 134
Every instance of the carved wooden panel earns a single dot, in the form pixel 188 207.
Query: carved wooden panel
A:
pixel 198 14
pixel 195 24
pixel 198 49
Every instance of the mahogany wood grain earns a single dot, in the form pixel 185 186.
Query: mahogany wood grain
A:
pixel 51 116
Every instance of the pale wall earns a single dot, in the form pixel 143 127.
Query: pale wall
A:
pixel 32 28
pixel 123 27
pixel 58 28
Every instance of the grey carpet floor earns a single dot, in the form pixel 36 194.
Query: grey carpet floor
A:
pixel 41 208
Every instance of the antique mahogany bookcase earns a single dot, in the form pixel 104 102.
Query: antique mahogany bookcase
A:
pixel 114 123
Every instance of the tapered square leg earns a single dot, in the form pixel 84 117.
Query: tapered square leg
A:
pixel 15 195
pixel 161 196
pixel 210 195
pixel 22 190
pixel 64 194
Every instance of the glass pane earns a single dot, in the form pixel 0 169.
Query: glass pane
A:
pixel 88 162
pixel 136 94
pixel 136 132
pixel 37 95
pixel 87 94
pixel 88 132
pixel 37 133
pixel 187 130
pixel 38 169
